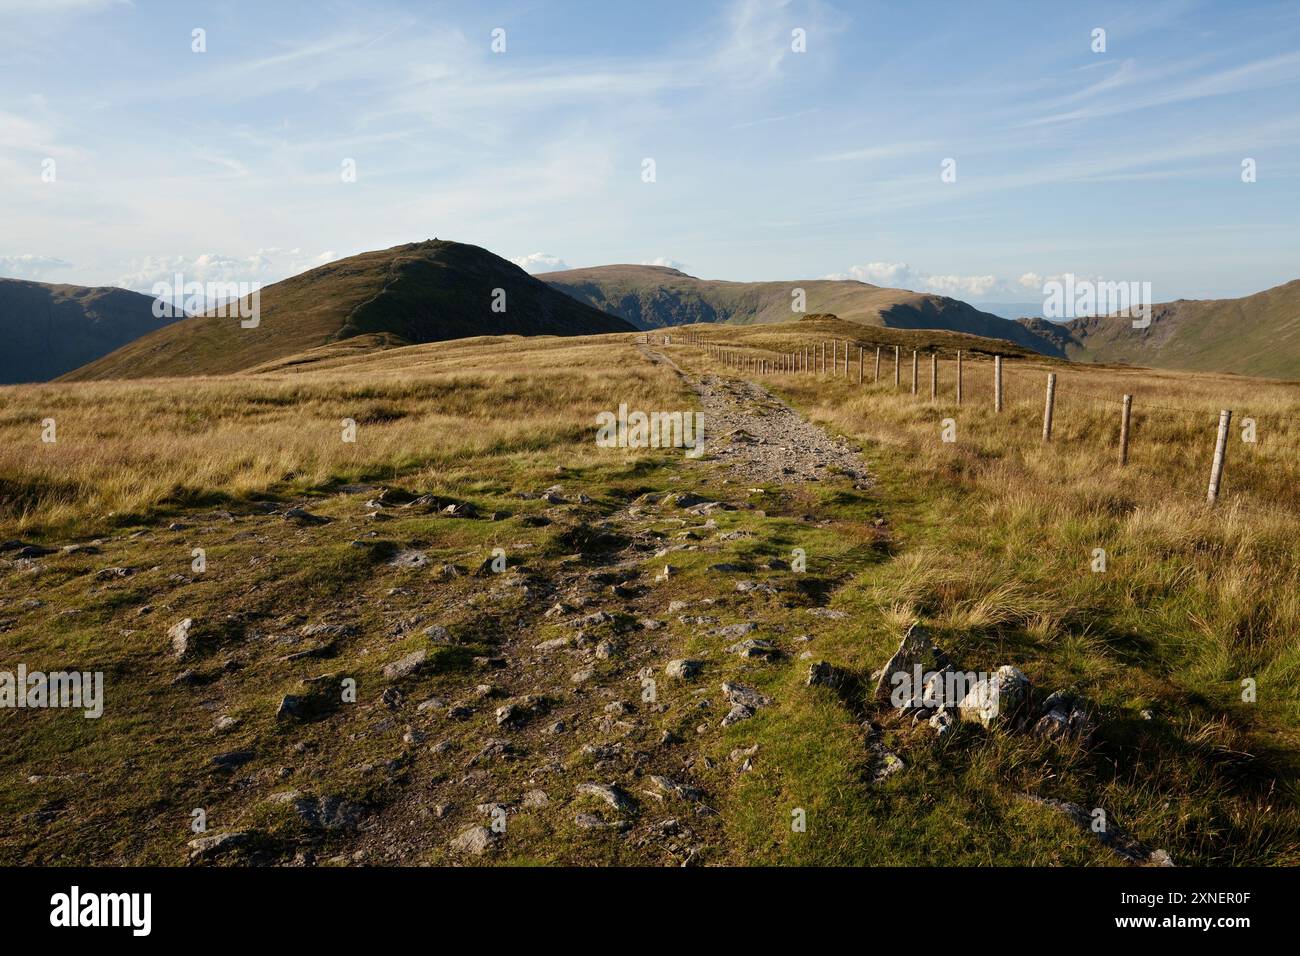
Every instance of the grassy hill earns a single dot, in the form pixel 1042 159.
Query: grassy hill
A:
pixel 52 329
pixel 420 292
pixel 524 690
pixel 1255 335
pixel 656 296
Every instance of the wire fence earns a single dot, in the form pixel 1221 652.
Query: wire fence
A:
pixel 944 376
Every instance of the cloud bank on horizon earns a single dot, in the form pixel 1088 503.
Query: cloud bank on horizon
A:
pixel 970 151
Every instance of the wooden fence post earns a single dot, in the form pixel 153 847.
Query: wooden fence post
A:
pixel 876 380
pixel 1047 409
pixel 896 358
pixel 914 370
pixel 959 378
pixel 934 375
pixel 997 383
pixel 1124 419
pixel 1220 447
pixel 859 364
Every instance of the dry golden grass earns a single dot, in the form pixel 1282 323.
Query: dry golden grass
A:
pixel 1018 519
pixel 125 447
pixel 989 539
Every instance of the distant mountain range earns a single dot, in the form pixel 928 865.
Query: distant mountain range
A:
pixel 653 297
pixel 435 290
pixel 419 292
pixel 1255 335
pixel 52 329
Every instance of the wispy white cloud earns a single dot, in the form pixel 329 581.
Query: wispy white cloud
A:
pixel 900 275
pixel 264 267
pixel 537 262
pixel 666 262
pixel 1257 75
pixel 29 266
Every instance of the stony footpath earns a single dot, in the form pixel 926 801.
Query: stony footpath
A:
pixel 559 703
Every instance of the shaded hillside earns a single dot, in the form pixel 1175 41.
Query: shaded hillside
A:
pixel 655 296
pixel 421 292
pixel 52 329
pixel 1254 335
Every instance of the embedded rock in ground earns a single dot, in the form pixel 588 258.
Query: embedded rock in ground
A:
pixel 734 630
pixel 915 650
pixel 737 713
pixel 887 765
pixel 179 635
pixel 409 560
pixel 405 666
pixel 437 634
pixel 674 789
pixel 1115 838
pixel 1064 717
pixel 683 669
pixel 739 694
pixel 518 710
pixel 474 841
pixel 320 813
pixel 303 516
pixel 997 700
pixel 754 649
pixel 824 674
pixel 615 796
pixel 942 721
pixel 318 701
pixel 218 844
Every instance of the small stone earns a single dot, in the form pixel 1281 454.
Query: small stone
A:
pixel 179 635
pixel 997 699
pixel 888 765
pixel 823 674
pixel 735 630
pixel 745 696
pixel 737 713
pixel 942 721
pixel 225 723
pixel 405 666
pixel 754 649
pixel 675 789
pixel 615 796
pixel 683 668
pixel 218 844
pixel 437 634
pixel 520 709
pixel 474 841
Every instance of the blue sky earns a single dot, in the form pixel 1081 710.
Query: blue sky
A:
pixel 769 163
